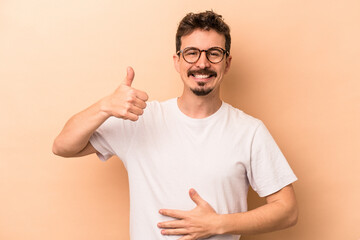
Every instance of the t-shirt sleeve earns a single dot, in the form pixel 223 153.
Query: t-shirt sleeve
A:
pixel 269 171
pixel 112 138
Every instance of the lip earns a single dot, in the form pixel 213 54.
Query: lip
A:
pixel 202 79
pixel 202 76
pixel 202 73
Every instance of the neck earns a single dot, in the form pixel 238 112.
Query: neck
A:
pixel 199 106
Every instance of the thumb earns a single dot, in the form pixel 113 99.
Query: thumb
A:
pixel 129 76
pixel 195 197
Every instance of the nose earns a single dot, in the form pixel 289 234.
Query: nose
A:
pixel 203 62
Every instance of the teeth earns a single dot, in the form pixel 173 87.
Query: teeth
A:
pixel 202 76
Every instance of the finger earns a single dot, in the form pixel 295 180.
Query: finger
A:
pixel 173 213
pixel 139 103
pixel 136 110
pixel 142 95
pixel 130 74
pixel 131 116
pixel 178 231
pixel 195 197
pixel 186 237
pixel 172 224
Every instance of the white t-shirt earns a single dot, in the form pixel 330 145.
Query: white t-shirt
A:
pixel 166 153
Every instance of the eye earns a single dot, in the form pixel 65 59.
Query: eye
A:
pixel 191 52
pixel 215 53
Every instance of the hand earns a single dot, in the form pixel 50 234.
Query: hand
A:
pixel 200 222
pixel 126 102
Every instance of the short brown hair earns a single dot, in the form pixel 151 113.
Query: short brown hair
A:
pixel 206 21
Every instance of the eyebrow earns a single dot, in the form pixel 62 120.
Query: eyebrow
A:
pixel 205 49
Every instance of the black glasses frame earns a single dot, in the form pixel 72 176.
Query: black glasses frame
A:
pixel 206 53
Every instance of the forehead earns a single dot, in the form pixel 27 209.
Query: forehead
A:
pixel 203 39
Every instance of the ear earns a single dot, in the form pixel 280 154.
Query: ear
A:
pixel 176 59
pixel 228 63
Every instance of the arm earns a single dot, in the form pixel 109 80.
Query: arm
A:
pixel 279 212
pixel 126 102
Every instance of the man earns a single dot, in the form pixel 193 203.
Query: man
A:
pixel 195 144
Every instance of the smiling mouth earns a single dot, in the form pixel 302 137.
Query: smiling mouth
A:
pixel 202 74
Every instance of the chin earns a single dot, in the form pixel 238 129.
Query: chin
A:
pixel 201 92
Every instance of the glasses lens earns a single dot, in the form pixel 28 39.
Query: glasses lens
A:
pixel 191 55
pixel 215 55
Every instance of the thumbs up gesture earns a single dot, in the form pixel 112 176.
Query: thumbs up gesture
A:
pixel 126 102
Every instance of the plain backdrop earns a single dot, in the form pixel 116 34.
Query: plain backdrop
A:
pixel 295 66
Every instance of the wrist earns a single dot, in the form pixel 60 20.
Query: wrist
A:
pixel 219 224
pixel 104 107
pixel 227 224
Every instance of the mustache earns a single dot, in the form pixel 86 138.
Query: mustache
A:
pixel 204 71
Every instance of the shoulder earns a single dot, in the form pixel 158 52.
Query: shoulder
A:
pixel 239 117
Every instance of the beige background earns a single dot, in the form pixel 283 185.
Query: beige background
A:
pixel 295 66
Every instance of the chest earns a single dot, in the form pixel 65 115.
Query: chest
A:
pixel 216 153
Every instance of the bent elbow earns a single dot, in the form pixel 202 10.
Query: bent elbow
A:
pixel 56 149
pixel 293 217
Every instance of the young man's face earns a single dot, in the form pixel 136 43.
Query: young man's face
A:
pixel 202 77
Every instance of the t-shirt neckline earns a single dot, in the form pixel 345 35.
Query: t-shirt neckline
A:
pixel 191 120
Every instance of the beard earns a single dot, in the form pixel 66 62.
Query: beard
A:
pixel 201 91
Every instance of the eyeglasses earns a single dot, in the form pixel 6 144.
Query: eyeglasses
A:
pixel 192 54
